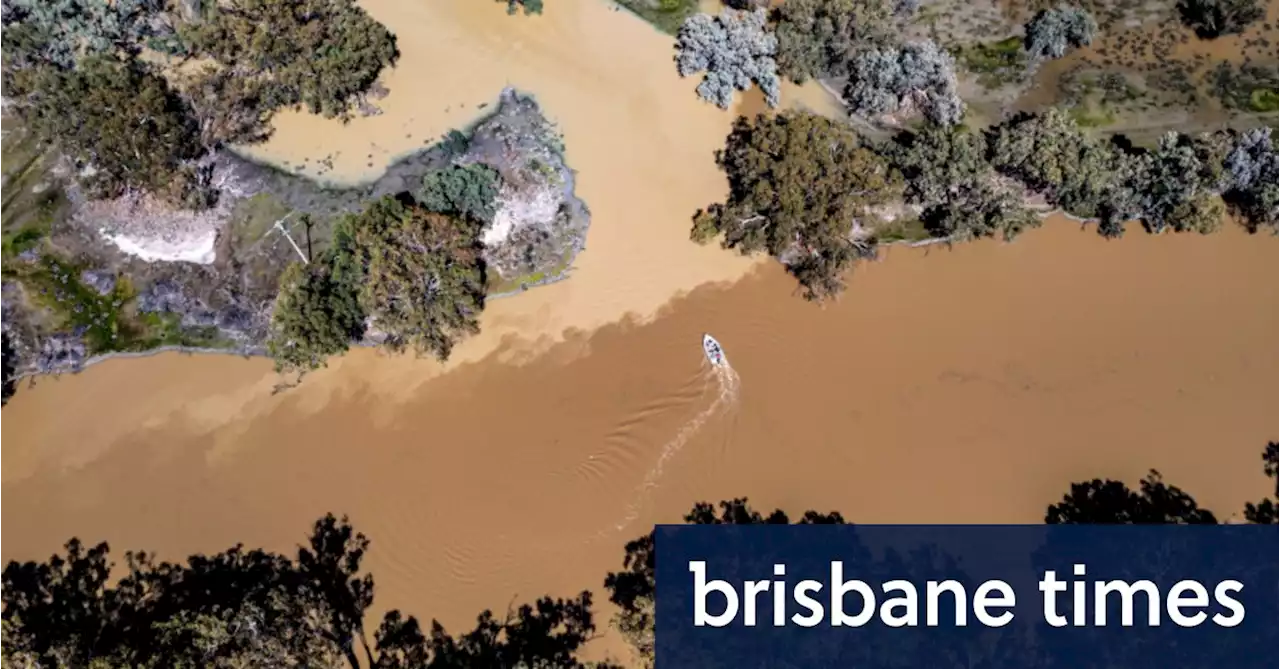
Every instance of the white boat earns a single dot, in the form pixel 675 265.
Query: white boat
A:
pixel 715 352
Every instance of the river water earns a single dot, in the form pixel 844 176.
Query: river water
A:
pixel 948 385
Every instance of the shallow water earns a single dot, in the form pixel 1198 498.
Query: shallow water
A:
pixel 948 385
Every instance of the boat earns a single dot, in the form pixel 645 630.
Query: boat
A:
pixel 715 352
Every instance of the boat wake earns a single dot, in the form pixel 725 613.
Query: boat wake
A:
pixel 728 381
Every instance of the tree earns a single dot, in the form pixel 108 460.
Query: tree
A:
pixel 317 53
pixel 817 38
pixel 1052 31
pixel 115 117
pixel 1176 177
pixel 8 365
pixel 937 162
pixel 1214 18
pixel 229 109
pixel 63 32
pixel 946 170
pixel 462 190
pixel 1253 171
pixel 979 210
pixel 317 313
pixel 916 76
pixel 253 608
pixel 633 588
pixel 1202 214
pixel 424 277
pixel 798 184
pixel 1112 502
pixel 1050 153
pixel 1264 512
pixel 530 6
pixel 734 49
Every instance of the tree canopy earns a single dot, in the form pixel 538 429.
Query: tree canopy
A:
pixel 1051 32
pixel 530 6
pixel 317 313
pixel 798 184
pixel 946 170
pixel 424 277
pixel 915 76
pixel 253 608
pixel 1048 152
pixel 633 588
pixel 317 53
pixel 1215 18
pixel 1253 172
pixel 818 38
pixel 1108 501
pixel 115 117
pixel 1155 502
pixel 734 49
pixel 462 190
pixel 62 32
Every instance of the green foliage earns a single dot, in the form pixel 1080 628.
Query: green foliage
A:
pixel 1203 214
pixel 253 608
pixel 1048 152
pixel 462 190
pixel 1214 18
pixel 633 588
pixel 316 314
pixel 228 108
pixel 937 161
pixel 797 184
pixel 1179 172
pixel 1264 100
pixel 424 276
pixel 1051 32
pixel 946 170
pixel 317 53
pixel 62 32
pixel 665 15
pixel 1246 87
pixel 817 38
pixel 55 284
pixel 996 63
pixel 114 116
pixel 978 211
pixel 530 6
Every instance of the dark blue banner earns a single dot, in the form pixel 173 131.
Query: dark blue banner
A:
pixel 935 597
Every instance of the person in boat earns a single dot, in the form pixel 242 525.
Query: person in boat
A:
pixel 717 355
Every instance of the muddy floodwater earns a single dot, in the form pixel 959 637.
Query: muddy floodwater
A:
pixel 947 385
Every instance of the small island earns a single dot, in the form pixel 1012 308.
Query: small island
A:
pixel 120 242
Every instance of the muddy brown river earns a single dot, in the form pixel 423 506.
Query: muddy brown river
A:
pixel 947 385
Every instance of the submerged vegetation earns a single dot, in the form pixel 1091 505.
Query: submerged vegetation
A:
pixel 530 6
